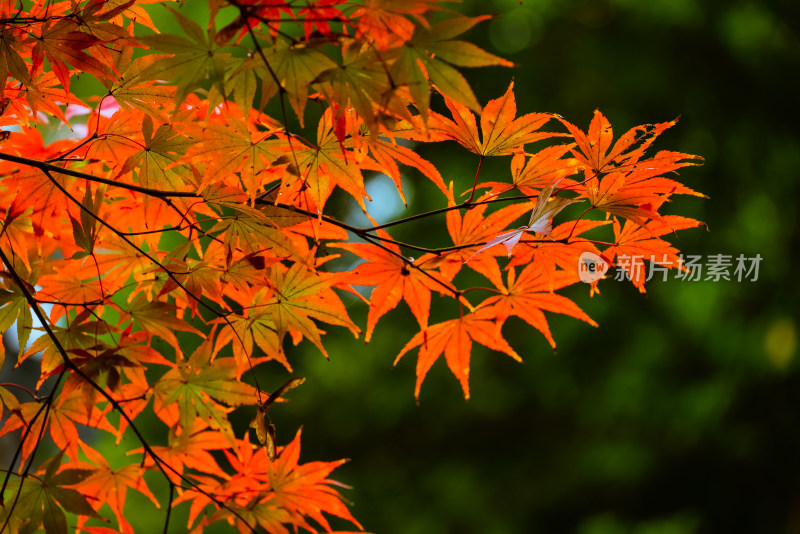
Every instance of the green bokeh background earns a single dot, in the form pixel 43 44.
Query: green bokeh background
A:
pixel 679 415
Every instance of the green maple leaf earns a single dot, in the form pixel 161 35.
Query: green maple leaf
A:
pixel 288 68
pixel 320 168
pixel 155 161
pixel 362 81
pixel 300 295
pixel 200 385
pixel 436 52
pixel 43 500
pixel 193 60
pixel 135 89
pixel 248 230
pixel 15 308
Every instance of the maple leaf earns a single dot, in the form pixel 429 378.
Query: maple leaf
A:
pixel 158 318
pixel 273 493
pixel 66 40
pixel 248 229
pixel 595 151
pixel 261 512
pixel 108 485
pixel 199 384
pixel 258 327
pixel 319 169
pixel 236 145
pixel 287 68
pixel 362 82
pixel 115 139
pixel 80 335
pixel 299 295
pixel 562 251
pixel 433 50
pixel 73 409
pixel 541 220
pixel 528 296
pixel 474 227
pixel 155 164
pixel 42 197
pixel 11 62
pixel 503 134
pixel 190 449
pixel 67 286
pixel 45 498
pixel 14 308
pixel 304 489
pixel 636 243
pixel 61 42
pixel 532 172
pixel 24 415
pixel 161 148
pixel 454 338
pixel 131 11
pixel 7 399
pixel 193 61
pixel 387 154
pixel 637 194
pixel 134 88
pixel 120 261
pixel 319 15
pixel 387 269
pixel 383 22
pixel 17 230
pixel 44 93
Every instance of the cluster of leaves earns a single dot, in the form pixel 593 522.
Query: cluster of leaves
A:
pixel 179 205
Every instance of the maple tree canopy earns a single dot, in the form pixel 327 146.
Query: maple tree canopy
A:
pixel 182 204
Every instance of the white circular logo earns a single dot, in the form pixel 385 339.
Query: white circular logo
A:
pixel 591 267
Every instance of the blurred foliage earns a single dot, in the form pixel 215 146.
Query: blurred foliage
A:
pixel 679 414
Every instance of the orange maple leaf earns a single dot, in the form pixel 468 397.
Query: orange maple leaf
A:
pixel 634 243
pixel 558 253
pixel 322 167
pixel 528 296
pixel 639 192
pixel 475 227
pixel 190 449
pixel 63 41
pixel 395 281
pixel 532 172
pixel 454 338
pixel 503 134
pixel 594 148
pixel 107 485
pixel 305 489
